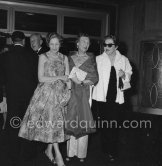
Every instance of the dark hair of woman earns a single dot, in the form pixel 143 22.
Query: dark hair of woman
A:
pixel 115 40
pixel 81 35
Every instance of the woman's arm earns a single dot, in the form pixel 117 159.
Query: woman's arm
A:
pixel 88 82
pixel 75 80
pixel 66 62
pixel 41 77
pixel 128 71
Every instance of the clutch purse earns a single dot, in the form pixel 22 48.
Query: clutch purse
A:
pixel 81 75
pixel 126 85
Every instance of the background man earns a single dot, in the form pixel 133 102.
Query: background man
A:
pixel 36 43
pixel 19 78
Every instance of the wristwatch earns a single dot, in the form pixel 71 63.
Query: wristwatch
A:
pixel 82 84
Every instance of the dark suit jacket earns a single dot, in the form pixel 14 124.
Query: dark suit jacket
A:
pixel 42 50
pixel 18 77
pixel 36 59
pixel 1 82
pixel 1 93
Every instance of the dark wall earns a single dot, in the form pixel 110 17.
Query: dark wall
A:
pixel 139 21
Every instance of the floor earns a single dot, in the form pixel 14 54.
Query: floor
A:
pixel 129 155
pixel 137 147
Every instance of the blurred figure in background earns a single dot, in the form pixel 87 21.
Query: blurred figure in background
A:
pixel 3 108
pixel 36 43
pixel 17 75
pixel 3 102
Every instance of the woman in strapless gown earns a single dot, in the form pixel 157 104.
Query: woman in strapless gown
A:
pixel 44 118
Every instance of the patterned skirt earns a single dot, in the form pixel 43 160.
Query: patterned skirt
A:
pixel 44 118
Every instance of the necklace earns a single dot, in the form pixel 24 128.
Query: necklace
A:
pixel 53 55
pixel 81 55
pixel 80 59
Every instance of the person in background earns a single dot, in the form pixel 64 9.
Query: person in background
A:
pixel 18 78
pixel 3 102
pixel 114 72
pixel 3 108
pixel 44 118
pixel 83 74
pixel 1 99
pixel 36 43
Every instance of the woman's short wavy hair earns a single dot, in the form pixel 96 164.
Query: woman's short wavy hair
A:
pixel 82 35
pixel 53 35
pixel 114 38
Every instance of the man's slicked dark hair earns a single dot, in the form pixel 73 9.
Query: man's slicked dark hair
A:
pixel 17 36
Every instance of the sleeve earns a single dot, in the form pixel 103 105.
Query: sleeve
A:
pixel 128 70
pixel 1 94
pixel 128 73
pixel 1 78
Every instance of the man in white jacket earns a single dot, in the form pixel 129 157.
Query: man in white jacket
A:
pixel 114 72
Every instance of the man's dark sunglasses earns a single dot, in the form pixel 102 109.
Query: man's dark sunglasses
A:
pixel 109 45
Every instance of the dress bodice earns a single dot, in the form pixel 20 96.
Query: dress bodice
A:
pixel 79 60
pixel 54 66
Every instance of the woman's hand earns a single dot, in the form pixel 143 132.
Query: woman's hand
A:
pixel 64 78
pixel 121 74
pixel 75 79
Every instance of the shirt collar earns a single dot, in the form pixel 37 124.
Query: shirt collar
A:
pixel 18 44
pixel 39 49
